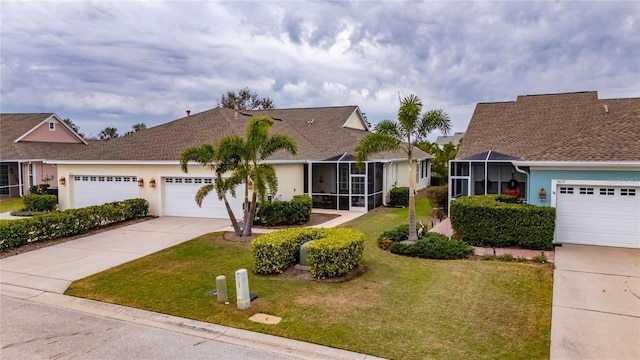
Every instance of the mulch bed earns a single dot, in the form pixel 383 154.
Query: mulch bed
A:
pixel 316 219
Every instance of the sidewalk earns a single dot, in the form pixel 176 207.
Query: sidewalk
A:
pixel 444 228
pixel 8 216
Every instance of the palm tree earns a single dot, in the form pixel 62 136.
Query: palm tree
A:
pixel 409 130
pixel 109 133
pixel 243 159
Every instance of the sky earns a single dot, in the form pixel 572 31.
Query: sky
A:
pixel 118 63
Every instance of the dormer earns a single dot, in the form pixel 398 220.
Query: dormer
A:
pixel 51 130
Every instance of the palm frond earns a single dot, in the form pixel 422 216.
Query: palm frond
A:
pixel 203 192
pixel 374 143
pixel 278 142
pixel 435 120
pixel 204 155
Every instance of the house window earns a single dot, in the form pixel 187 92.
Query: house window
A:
pixel 586 191
pixel 100 178
pixel 607 191
pixel 208 181
pixel 628 192
pixel 188 181
pixel 168 180
pixel 178 180
pixel 566 190
pixel 52 126
pixel 93 178
pixel 197 181
pixel 31 175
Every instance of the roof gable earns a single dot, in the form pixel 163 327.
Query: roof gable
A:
pixel 52 130
pixel 556 127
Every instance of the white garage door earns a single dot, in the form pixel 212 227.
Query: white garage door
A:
pixel 180 193
pixel 598 215
pixel 99 189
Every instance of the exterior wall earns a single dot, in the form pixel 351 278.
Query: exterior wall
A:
pixel 42 174
pixel 60 135
pixel 290 180
pixel 539 179
pixel 355 122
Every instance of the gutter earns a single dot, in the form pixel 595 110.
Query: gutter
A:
pixel 528 182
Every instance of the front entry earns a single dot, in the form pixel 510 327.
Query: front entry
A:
pixel 358 197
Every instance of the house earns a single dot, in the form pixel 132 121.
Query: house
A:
pixel 146 163
pixel 27 141
pixel 455 139
pixel 573 151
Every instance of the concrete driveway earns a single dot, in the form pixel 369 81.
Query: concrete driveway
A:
pixel 596 303
pixel 53 268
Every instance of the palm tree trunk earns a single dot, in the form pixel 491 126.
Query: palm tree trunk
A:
pixel 413 235
pixel 249 213
pixel 232 217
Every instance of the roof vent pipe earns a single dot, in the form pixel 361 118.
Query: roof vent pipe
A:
pixel 606 109
pixel 188 112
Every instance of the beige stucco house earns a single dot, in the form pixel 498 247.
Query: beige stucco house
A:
pixel 27 141
pixel 146 164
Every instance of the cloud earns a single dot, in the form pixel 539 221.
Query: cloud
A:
pixel 105 63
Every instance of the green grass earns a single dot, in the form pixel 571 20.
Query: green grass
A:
pixel 401 308
pixel 10 204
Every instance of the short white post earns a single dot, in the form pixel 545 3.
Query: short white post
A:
pixel 242 289
pixel 221 288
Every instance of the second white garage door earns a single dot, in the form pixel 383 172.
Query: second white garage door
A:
pixel 598 215
pixel 100 189
pixel 180 193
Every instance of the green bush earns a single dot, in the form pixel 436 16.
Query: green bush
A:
pixel 400 233
pixel 39 189
pixel 485 221
pixel 38 203
pixel 434 246
pixel 399 196
pixel 294 212
pixel 438 196
pixel 70 222
pixel 333 253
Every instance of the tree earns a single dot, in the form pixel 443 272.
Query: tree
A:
pixel 242 159
pixel 440 163
pixel 108 133
pixel 405 134
pixel 245 99
pixel 137 127
pixel 73 126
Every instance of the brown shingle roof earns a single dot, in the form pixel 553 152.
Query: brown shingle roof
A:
pixel 322 139
pixel 13 126
pixel 557 127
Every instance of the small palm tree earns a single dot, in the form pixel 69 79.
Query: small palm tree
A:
pixel 243 160
pixel 404 134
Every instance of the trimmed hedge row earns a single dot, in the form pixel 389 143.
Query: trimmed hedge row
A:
pixel 294 212
pixel 333 253
pixel 399 196
pixel 434 246
pixel 488 220
pixel 70 222
pixel 35 202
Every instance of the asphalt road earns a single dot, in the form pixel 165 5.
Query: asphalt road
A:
pixel 30 330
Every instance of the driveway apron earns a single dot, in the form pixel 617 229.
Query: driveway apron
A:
pixel 53 268
pixel 596 303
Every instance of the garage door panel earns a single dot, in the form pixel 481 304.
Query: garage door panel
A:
pixel 100 189
pixel 180 193
pixel 598 215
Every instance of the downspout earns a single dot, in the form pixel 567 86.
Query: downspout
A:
pixel 20 179
pixel 528 182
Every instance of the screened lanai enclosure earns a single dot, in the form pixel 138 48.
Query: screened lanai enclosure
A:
pixel 487 173
pixel 338 183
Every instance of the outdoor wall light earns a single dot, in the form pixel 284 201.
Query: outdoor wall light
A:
pixel 542 195
pixel 250 184
pixel 62 181
pixel 141 182
pixel 152 182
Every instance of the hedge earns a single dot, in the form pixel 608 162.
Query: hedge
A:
pixel 434 246
pixel 438 196
pixel 399 196
pixel 35 202
pixel 487 220
pixel 70 222
pixel 333 253
pixel 294 212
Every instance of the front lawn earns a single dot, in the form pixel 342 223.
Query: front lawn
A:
pixel 11 204
pixel 401 308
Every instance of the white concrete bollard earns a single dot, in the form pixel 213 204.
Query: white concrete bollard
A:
pixel 221 288
pixel 242 290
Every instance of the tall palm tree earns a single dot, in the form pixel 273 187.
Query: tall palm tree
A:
pixel 243 159
pixel 108 133
pixel 410 129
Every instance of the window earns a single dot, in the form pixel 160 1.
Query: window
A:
pixel 628 192
pixel 586 191
pixel 109 178
pixel 188 181
pixel 85 178
pixel 566 190
pixel 197 181
pixel 607 191
pixel 168 180
pixel 118 178
pixel 100 178
pixel 76 178
pixel 208 181
pixel 52 126
pixel 93 178
pixel 178 180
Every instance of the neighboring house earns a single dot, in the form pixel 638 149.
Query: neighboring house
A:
pixel 27 141
pixel 146 164
pixel 571 151
pixel 455 139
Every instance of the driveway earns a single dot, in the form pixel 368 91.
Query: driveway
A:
pixel 53 268
pixel 596 303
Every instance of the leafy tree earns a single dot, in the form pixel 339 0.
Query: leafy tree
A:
pixel 440 162
pixel 137 127
pixel 404 134
pixel 108 133
pixel 245 99
pixel 242 160
pixel 73 126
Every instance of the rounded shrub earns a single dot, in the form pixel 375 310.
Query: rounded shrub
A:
pixel 434 246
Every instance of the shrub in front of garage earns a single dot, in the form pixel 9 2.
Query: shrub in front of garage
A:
pixel 487 220
pixel 294 212
pixel 39 203
pixel 433 246
pixel 70 222
pixel 399 197
pixel 333 252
